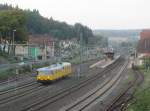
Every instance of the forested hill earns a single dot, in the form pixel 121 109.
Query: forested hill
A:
pixel 32 22
pixel 117 33
pixel 37 24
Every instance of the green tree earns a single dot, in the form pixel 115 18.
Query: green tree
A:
pixel 36 24
pixel 13 20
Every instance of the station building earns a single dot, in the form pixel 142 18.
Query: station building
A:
pixel 37 47
pixel 144 47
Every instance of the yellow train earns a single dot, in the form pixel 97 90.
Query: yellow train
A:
pixel 53 72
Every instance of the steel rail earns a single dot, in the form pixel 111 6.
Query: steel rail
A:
pixel 49 100
pixel 138 75
pixel 92 99
pixel 16 96
pixel 18 87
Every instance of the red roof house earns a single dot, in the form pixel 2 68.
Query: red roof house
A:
pixel 144 43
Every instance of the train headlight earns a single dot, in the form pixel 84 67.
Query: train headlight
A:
pixel 48 77
pixel 39 77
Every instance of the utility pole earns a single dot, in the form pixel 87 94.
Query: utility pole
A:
pixel 28 49
pixel 13 42
pixel 45 50
pixel 0 41
pixel 81 41
pixel 17 77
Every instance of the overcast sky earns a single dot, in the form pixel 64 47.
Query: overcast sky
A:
pixel 97 14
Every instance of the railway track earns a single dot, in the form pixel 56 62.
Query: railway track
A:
pixel 95 94
pixel 20 85
pixel 61 94
pixel 17 88
pixel 15 93
pixel 13 79
pixel 121 101
pixel 15 84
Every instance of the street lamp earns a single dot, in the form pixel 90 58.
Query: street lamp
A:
pixel 13 41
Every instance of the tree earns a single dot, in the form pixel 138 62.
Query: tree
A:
pixel 32 22
pixel 84 30
pixel 36 24
pixel 10 20
pixel 99 40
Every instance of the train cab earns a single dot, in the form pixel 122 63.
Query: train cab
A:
pixel 53 72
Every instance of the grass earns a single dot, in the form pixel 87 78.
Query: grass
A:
pixel 7 72
pixel 7 58
pixel 77 59
pixel 4 74
pixel 3 60
pixel 129 77
pixel 41 65
pixel 142 95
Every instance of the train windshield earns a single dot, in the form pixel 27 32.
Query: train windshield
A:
pixel 44 72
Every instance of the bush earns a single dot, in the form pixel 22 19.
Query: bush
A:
pixel 4 74
pixel 39 65
pixel 25 68
pixel 142 101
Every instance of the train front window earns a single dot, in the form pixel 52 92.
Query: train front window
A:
pixel 44 72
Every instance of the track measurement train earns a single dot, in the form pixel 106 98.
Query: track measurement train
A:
pixel 53 72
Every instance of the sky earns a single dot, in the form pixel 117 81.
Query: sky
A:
pixel 96 14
